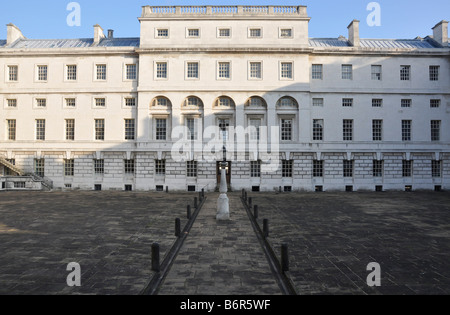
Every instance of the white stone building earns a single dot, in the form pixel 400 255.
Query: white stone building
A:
pixel 334 113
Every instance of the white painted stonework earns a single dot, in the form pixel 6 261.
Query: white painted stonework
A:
pixel 245 66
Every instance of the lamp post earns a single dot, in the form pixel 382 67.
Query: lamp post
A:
pixel 223 207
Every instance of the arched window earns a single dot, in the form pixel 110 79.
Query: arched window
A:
pixel 256 101
pixel 287 102
pixel 192 101
pixel 161 101
pixel 224 101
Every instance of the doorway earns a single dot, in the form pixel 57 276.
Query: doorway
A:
pixel 228 172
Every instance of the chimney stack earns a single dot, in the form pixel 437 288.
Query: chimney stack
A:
pixel 353 33
pixel 110 34
pixel 13 34
pixel 98 34
pixel 440 33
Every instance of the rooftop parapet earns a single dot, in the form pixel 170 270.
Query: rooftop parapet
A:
pixel 227 11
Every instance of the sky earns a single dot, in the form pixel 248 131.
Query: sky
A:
pixel 401 19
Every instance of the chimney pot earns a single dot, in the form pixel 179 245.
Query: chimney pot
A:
pixel 440 33
pixel 110 33
pixel 353 33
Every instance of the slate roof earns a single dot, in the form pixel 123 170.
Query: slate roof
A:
pixel 72 43
pixel 374 43
pixel 2 42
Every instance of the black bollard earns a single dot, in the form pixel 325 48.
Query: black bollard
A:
pixel 200 196
pixel 203 193
pixel 189 215
pixel 245 196
pixel 177 227
pixel 284 258
pixel 243 193
pixel 195 203
pixel 250 202
pixel 266 228
pixel 155 257
pixel 255 211
pixel 167 189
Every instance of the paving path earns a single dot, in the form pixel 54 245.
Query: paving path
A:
pixel 221 258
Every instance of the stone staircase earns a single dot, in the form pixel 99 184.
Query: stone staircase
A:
pixel 46 183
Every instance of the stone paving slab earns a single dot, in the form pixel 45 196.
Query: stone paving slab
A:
pixel 221 257
pixel 108 233
pixel 333 236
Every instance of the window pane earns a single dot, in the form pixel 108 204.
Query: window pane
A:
pixel 347 72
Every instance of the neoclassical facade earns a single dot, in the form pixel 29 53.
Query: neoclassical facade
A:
pixel 245 83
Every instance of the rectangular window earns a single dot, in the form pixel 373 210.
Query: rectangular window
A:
pixel 255 33
pixel 317 72
pixel 13 73
pixel 129 166
pixel 405 73
pixel 255 168
pixel 193 32
pixel 39 167
pixel 347 102
pixel 434 73
pixel 406 130
pixel 224 32
pixel 224 70
pixel 317 102
pixel 224 126
pixel 348 168
pixel 436 168
pixel 41 102
pixel 377 168
pixel 71 72
pixel 347 72
pixel 435 103
pixel 255 131
pixel 377 130
pixel 286 129
pixel 101 72
pixel 99 129
pixel 161 129
pixel 130 102
pixel 255 70
pixel 435 130
pixel 163 32
pixel 70 102
pixel 191 125
pixel 99 166
pixel 286 70
pixel 40 129
pixel 11 129
pixel 286 168
pixel 317 168
pixel 192 70
pixel 160 167
pixel 377 102
pixel 129 129
pixel 12 102
pixel 376 72
pixel 69 167
pixel 42 73
pixel 406 103
pixel 318 129
pixel 286 33
pixel 131 72
pixel 161 70
pixel 191 168
pixel 70 129
pixel 100 102
pixel 347 129
pixel 406 168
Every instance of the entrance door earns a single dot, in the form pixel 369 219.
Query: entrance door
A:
pixel 228 172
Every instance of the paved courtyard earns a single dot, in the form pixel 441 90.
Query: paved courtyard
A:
pixel 331 237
